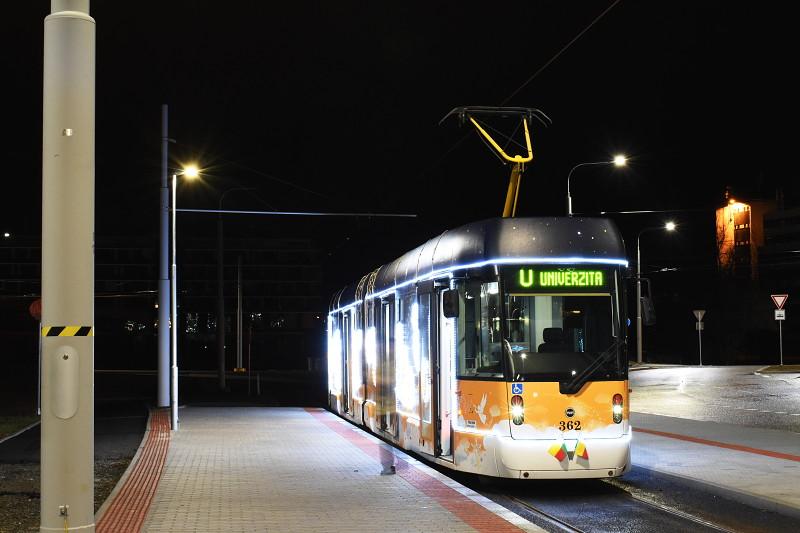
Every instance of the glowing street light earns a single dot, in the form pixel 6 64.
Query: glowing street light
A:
pixel 669 226
pixel 191 171
pixel 618 161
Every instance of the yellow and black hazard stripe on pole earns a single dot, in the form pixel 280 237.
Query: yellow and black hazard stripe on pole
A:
pixel 67 331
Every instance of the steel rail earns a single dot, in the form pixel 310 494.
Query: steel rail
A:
pixel 552 520
pixel 681 514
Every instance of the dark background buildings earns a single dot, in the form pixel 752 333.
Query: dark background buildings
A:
pixel 335 107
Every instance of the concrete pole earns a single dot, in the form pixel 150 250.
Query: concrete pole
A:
pixel 68 145
pixel 239 363
pixel 163 268
pixel 220 304
pixel 174 315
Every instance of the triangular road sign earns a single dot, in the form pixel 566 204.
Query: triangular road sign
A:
pixel 698 314
pixel 779 299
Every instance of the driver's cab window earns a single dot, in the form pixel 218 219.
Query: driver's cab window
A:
pixel 480 342
pixel 558 323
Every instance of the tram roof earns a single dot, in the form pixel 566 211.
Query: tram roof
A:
pixel 555 240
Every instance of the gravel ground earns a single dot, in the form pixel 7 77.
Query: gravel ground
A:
pixel 19 492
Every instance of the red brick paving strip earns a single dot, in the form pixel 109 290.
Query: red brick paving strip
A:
pixel 129 509
pixel 470 512
pixel 758 451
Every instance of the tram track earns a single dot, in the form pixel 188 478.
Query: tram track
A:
pixel 678 513
pixel 557 523
pixel 596 505
pixel 680 521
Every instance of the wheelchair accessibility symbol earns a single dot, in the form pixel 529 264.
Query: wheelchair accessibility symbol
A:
pixel 516 388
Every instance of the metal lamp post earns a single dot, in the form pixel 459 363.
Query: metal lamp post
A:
pixel 669 226
pixel 619 161
pixel 190 172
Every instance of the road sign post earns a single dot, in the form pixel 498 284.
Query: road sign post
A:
pixel 698 314
pixel 780 315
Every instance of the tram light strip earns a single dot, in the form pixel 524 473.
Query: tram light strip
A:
pixel 567 261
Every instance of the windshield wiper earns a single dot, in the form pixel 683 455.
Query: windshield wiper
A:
pixel 574 385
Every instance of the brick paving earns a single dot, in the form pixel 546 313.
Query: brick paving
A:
pixel 288 469
pixel 130 503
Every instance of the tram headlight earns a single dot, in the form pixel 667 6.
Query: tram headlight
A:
pixel 517 409
pixel 616 408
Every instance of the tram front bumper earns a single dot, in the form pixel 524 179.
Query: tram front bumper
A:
pixel 533 459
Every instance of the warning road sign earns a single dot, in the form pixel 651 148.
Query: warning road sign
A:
pixel 779 300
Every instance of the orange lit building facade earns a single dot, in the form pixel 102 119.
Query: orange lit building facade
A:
pixel 740 233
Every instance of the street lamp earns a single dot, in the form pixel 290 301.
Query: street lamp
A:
pixel 221 291
pixel 618 161
pixel 190 172
pixel 669 226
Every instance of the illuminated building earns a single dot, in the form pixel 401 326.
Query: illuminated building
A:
pixel 739 235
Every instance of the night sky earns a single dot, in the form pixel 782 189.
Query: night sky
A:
pixel 335 106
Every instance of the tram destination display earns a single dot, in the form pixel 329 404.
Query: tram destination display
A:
pixel 543 278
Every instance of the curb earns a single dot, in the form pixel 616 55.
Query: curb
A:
pixel 763 370
pixel 20 432
pixel 126 474
pixel 731 493
pixel 127 506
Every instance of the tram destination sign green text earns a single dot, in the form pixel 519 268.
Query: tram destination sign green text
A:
pixel 538 279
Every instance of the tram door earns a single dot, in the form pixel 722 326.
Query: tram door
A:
pixel 442 338
pixel 346 347
pixel 441 347
pixel 434 369
pixel 428 371
pixel 386 370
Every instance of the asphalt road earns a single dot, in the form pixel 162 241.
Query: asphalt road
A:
pixel 728 394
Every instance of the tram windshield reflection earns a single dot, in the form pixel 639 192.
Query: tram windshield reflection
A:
pixel 555 336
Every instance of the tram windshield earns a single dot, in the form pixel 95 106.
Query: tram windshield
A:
pixel 562 326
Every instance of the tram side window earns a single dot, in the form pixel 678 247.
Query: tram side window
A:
pixel 479 334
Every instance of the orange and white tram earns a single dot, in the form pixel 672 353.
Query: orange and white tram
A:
pixel 496 348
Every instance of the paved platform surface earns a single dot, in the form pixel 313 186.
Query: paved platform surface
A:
pixel 761 465
pixel 291 469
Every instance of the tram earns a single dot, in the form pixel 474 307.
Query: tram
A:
pixel 496 348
